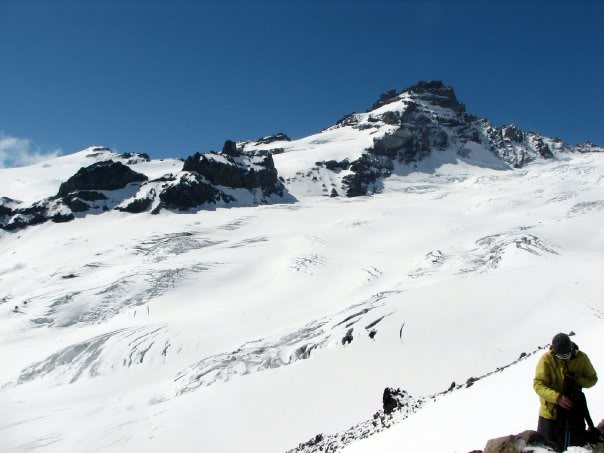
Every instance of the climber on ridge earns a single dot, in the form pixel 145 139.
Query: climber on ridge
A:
pixel 560 375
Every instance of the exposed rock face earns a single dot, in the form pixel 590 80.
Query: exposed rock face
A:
pixel 385 98
pixel 138 205
pixel 589 147
pixel 135 158
pixel 334 165
pixel 279 137
pixel 236 171
pixel 437 93
pixel 427 117
pixel 6 207
pixel 106 175
pixel 206 178
pixel 366 172
pixel 393 399
pixel 190 191
pixel 230 148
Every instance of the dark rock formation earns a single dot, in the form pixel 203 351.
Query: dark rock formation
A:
pixel 138 205
pixel 367 170
pixel 62 218
pixel 236 171
pixel 437 93
pixel 279 137
pixel 75 203
pixel 229 148
pixel 191 191
pixel 349 119
pixel 385 98
pixel 90 195
pixel 135 158
pixel 393 399
pixel 106 175
pixel 334 165
pixel 347 339
pixel 6 207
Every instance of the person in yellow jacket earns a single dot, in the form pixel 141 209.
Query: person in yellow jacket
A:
pixel 562 364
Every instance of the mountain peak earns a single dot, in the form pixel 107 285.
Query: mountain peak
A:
pixel 435 92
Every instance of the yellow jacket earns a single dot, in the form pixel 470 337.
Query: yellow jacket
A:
pixel 549 379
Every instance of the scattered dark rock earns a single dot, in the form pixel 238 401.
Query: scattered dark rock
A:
pixel 347 339
pixel 138 205
pixel 372 333
pixel 470 381
pixel 348 120
pixel 522 355
pixel 165 178
pixel 334 165
pixel 106 175
pixel 266 152
pixel 69 276
pixel 62 218
pixel 571 334
pixel 451 387
pixel 393 399
pixel 334 193
pixel 135 157
pixel 279 137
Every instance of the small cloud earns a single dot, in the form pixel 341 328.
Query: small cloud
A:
pixel 19 152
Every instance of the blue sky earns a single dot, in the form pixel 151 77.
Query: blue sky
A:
pixel 174 77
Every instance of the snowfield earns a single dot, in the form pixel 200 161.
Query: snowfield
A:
pixel 253 329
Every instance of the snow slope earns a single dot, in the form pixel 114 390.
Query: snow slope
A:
pixel 252 329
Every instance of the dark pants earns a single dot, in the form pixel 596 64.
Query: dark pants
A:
pixel 568 430
pixel 551 430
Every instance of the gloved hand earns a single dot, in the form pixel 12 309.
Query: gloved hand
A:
pixel 565 402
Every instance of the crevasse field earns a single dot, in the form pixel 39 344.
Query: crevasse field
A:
pixel 252 329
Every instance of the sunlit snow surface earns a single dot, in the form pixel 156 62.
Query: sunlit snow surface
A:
pixel 248 329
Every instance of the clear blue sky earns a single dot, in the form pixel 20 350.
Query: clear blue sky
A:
pixel 173 77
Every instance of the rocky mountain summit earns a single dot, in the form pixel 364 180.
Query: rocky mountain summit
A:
pixel 356 157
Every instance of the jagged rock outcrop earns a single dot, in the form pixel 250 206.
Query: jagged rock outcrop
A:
pixel 367 171
pixel 135 158
pixel 105 175
pixel 137 205
pixel 279 137
pixel 6 207
pixel 232 169
pixel 189 191
pixel 206 178
pixel 393 399
pixel 427 118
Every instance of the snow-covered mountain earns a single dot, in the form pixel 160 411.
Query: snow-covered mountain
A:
pixel 248 300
